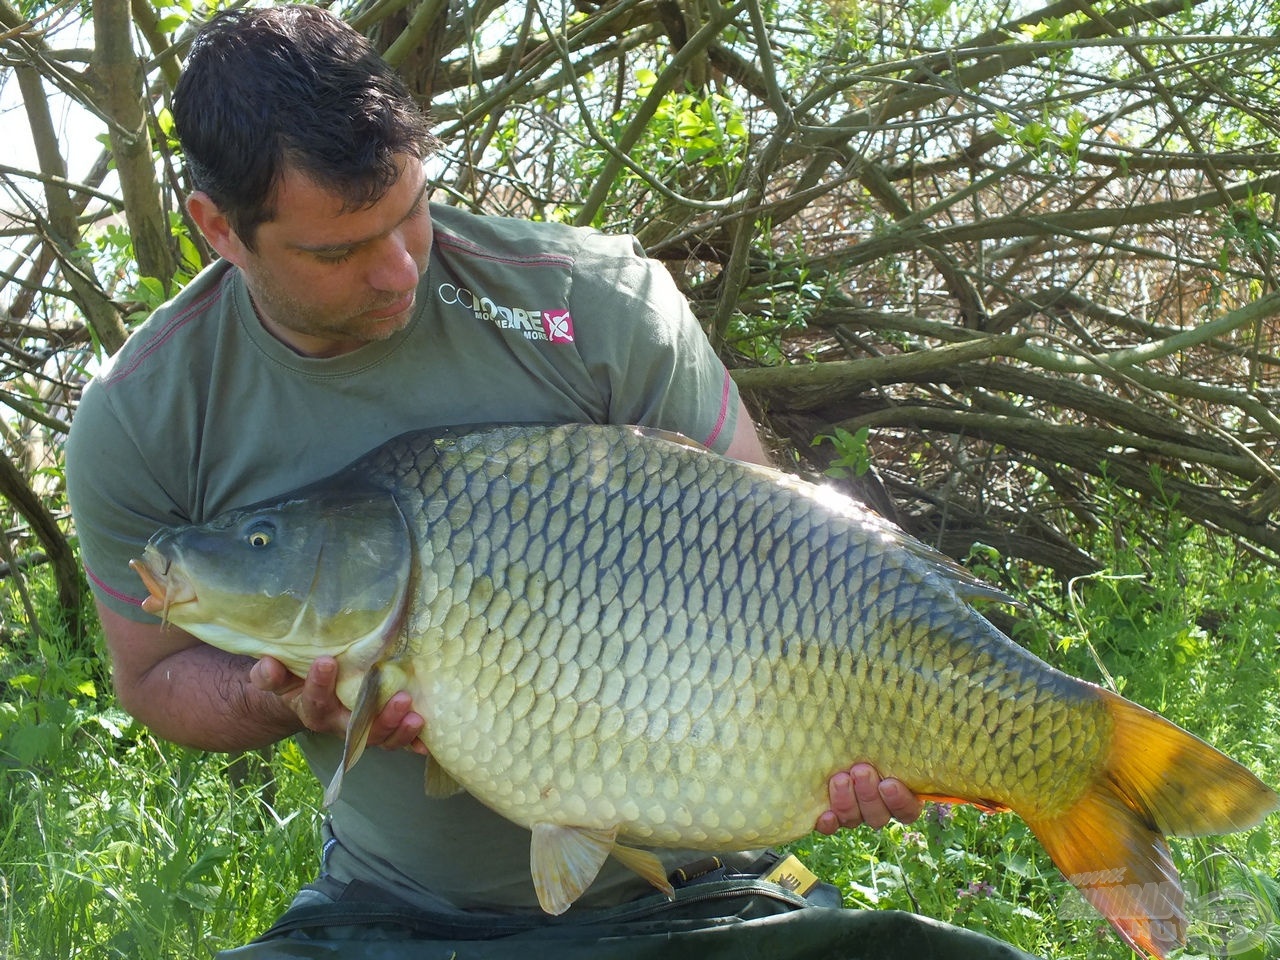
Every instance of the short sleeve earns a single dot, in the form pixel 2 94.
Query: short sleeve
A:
pixel 646 350
pixel 116 503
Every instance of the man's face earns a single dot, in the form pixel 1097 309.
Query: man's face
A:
pixel 326 280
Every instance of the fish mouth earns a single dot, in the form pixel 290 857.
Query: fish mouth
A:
pixel 165 587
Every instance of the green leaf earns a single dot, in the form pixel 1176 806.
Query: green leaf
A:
pixel 36 744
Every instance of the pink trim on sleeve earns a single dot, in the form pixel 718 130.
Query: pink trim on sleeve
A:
pixel 123 597
pixel 724 410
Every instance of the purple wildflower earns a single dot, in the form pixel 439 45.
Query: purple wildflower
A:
pixel 976 889
pixel 940 813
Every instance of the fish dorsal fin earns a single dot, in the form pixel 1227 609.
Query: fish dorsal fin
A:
pixel 670 436
pixel 438 783
pixel 368 702
pixel 966 585
pixel 564 861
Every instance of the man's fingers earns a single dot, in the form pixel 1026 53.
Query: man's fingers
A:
pixel 844 810
pixel 319 702
pixel 397 726
pixel 315 701
pixel 828 823
pixel 271 676
pixel 904 806
pixel 322 678
pixel 316 704
pixel 860 796
pixel 866 787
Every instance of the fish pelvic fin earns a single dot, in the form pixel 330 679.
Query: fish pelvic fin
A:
pixel 565 860
pixel 1158 780
pixel 368 703
pixel 647 866
pixel 438 783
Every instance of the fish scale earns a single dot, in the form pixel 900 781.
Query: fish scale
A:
pixel 647 552
pixel 621 641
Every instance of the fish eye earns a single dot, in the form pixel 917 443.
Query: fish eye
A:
pixel 260 534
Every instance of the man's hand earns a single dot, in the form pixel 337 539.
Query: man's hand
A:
pixel 860 796
pixel 316 703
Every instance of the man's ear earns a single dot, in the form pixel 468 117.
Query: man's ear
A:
pixel 217 229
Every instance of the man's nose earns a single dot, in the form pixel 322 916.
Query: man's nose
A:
pixel 395 269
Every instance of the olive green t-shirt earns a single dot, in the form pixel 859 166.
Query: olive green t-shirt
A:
pixel 202 410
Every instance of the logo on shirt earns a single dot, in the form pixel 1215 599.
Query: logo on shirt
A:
pixel 558 326
pixel 548 326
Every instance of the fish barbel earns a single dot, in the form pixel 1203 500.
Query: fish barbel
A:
pixel 621 641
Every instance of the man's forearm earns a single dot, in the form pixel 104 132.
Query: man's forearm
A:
pixel 201 697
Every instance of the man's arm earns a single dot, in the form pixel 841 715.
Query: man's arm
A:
pixel 199 696
pixel 745 444
pixel 859 795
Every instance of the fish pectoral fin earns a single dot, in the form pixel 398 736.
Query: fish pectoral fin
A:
pixel 438 783
pixel 564 861
pixel 368 701
pixel 647 865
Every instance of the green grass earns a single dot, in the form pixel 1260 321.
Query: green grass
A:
pixel 113 844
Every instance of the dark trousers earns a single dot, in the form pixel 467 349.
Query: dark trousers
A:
pixel 730 919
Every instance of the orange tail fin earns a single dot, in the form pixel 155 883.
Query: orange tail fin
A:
pixel 1158 780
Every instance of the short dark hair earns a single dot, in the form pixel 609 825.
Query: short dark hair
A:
pixel 291 85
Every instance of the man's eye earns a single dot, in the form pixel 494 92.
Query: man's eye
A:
pixel 337 256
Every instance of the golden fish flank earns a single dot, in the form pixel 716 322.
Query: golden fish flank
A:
pixel 618 639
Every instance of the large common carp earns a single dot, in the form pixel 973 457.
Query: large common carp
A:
pixel 620 641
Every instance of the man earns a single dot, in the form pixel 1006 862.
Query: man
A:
pixel 344 311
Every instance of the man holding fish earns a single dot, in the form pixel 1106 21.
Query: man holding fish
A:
pixel 345 310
